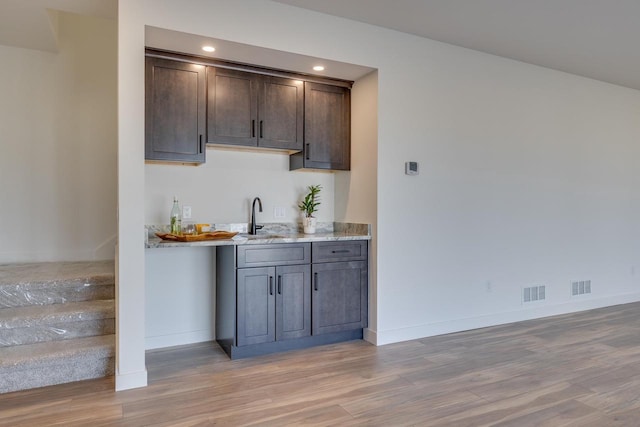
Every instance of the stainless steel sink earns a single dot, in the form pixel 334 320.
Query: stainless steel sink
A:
pixel 260 236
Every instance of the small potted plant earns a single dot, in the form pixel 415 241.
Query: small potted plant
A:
pixel 308 206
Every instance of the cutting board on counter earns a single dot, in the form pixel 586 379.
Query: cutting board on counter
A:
pixel 213 235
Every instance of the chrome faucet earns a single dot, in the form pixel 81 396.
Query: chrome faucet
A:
pixel 253 227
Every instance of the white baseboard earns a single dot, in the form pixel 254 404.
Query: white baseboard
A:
pixel 131 380
pixel 171 340
pixel 370 336
pixel 458 325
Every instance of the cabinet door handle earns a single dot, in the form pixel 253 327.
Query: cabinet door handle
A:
pixel 270 285
pixel 279 285
pixel 341 251
pixel 315 281
pixel 253 128
pixel 200 143
pixel 307 151
pixel 261 129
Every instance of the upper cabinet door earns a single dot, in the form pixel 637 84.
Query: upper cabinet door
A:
pixel 281 113
pixel 232 107
pixel 175 111
pixel 327 136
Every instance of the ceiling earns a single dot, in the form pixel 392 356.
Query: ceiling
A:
pixel 592 38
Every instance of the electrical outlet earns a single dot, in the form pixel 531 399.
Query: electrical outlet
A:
pixel 279 212
pixel 186 212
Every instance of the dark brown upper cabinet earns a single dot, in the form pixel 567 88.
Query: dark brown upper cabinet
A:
pixel 175 99
pixel 253 110
pixel 327 128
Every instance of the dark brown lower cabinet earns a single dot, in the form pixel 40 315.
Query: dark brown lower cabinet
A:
pixel 274 303
pixel 339 296
pixel 272 297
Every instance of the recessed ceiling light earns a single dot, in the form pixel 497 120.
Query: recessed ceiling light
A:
pixel 318 68
pixel 208 48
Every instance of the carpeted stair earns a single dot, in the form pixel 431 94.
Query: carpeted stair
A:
pixel 57 323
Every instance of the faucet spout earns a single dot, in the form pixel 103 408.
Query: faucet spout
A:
pixel 253 227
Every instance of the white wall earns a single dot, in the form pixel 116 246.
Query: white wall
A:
pixel 527 177
pixel 527 174
pixel 180 296
pixel 131 371
pixel 356 190
pixel 58 154
pixel 221 190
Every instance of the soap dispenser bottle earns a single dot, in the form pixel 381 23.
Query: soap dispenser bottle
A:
pixel 175 219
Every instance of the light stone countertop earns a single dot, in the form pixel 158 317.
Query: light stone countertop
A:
pixel 273 233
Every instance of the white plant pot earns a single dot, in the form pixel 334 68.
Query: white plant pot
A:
pixel 309 224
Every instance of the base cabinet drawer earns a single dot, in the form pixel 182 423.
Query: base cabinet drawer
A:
pixel 273 255
pixel 348 250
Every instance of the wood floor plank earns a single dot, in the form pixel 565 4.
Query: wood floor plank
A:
pixel 421 407
pixel 581 369
pixel 559 415
pixel 520 406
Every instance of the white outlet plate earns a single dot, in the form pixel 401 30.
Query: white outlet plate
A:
pixel 279 212
pixel 186 212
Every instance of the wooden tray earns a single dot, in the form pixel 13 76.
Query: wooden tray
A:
pixel 213 235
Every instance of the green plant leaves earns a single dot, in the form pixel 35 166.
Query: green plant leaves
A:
pixel 311 201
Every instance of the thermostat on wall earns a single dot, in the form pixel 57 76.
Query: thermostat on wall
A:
pixel 411 168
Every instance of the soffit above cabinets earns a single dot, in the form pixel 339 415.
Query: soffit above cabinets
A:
pixel 175 41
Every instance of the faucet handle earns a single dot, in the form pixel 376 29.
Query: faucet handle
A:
pixel 259 227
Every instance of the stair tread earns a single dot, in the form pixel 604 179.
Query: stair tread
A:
pixel 100 346
pixel 36 315
pixel 56 273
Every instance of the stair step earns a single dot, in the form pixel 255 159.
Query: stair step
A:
pixel 57 362
pixel 32 324
pixel 55 283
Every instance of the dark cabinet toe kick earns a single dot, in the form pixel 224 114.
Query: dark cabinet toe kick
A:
pixel 235 352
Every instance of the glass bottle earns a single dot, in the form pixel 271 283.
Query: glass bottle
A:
pixel 175 219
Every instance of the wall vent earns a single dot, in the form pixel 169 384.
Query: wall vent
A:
pixel 580 287
pixel 534 293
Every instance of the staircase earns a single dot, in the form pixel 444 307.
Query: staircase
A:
pixel 57 323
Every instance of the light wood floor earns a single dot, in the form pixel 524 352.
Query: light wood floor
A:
pixel 574 370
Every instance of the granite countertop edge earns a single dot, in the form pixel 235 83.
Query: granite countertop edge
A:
pixel 283 236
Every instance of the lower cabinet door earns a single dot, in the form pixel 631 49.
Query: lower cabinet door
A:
pixel 339 298
pixel 293 301
pixel 256 318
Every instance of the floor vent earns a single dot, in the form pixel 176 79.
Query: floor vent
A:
pixel 580 287
pixel 534 293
